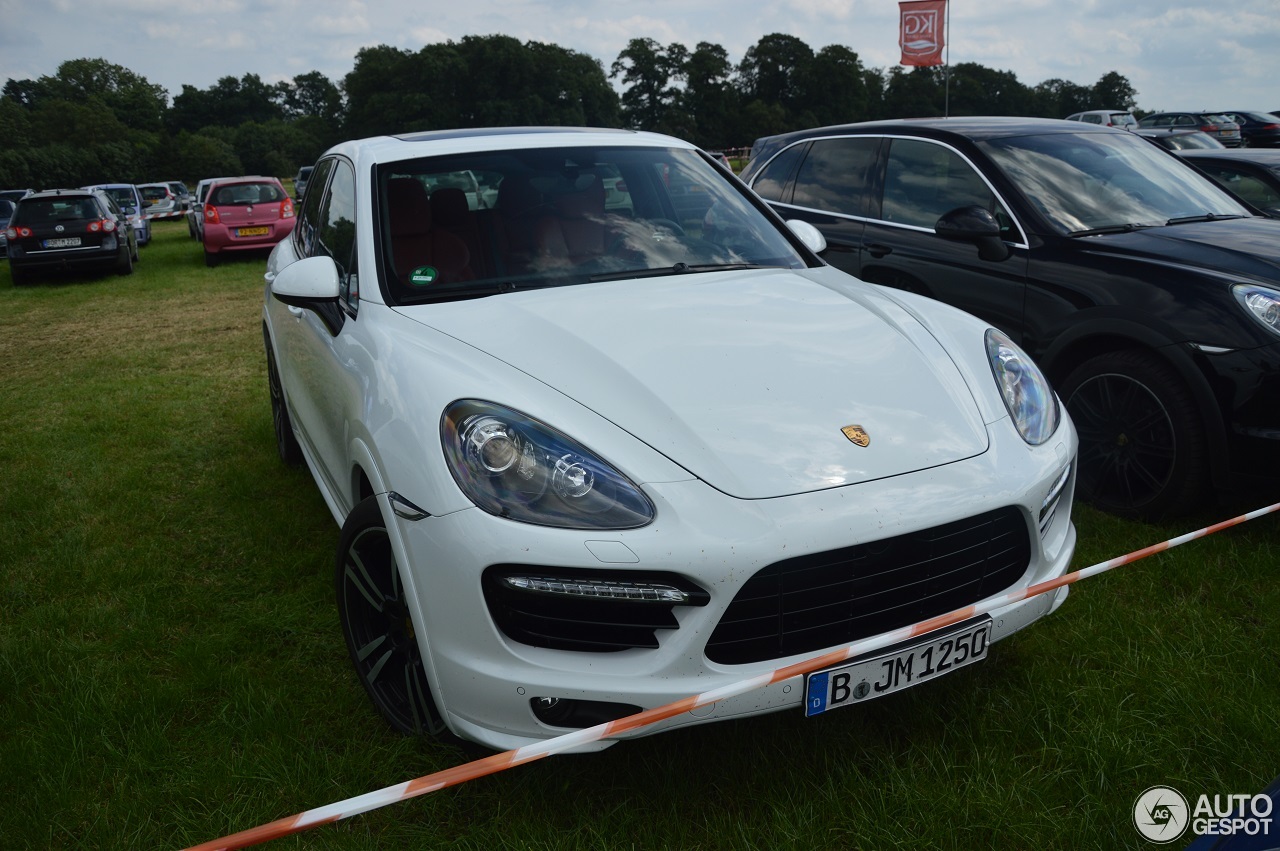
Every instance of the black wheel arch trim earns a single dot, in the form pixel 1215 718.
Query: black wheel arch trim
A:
pixel 1180 356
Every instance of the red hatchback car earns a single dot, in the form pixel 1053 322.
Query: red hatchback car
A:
pixel 243 214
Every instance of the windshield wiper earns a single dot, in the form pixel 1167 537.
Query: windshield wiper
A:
pixel 1205 217
pixel 1128 227
pixel 677 269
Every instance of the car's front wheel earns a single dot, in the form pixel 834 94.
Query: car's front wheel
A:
pixel 380 632
pixel 286 442
pixel 1142 443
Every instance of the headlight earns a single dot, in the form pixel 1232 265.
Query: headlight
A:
pixel 1262 303
pixel 1026 393
pixel 516 467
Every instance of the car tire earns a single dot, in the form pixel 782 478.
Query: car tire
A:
pixel 210 259
pixel 287 445
pixel 1143 448
pixel 125 266
pixel 379 630
pixel 20 277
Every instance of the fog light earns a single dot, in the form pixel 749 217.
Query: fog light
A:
pixel 566 712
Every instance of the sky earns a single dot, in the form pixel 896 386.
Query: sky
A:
pixel 1177 54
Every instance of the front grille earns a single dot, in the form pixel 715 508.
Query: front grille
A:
pixel 578 622
pixel 826 599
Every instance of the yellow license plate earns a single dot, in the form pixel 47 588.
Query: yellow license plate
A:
pixel 252 231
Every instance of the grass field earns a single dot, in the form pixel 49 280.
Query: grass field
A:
pixel 172 669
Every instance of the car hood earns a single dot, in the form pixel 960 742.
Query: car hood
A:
pixel 1245 246
pixel 745 379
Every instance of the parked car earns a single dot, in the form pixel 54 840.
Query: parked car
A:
pixel 1258 129
pixel 244 214
pixel 69 229
pixel 1120 118
pixel 1177 139
pixel 1250 173
pixel 182 193
pixel 578 458
pixel 14 195
pixel 195 212
pixel 1218 126
pixel 6 213
pixel 300 181
pixel 1149 296
pixel 129 199
pixel 159 202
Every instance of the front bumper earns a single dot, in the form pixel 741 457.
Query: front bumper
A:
pixel 484 681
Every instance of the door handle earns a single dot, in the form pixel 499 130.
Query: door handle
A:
pixel 877 250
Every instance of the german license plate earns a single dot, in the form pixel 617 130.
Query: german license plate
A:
pixel 64 242
pixel 252 231
pixel 866 679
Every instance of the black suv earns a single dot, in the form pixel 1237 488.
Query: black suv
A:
pixel 66 229
pixel 1148 295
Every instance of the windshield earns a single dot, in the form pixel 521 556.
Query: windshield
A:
pixel 245 194
pixel 1091 181
pixel 484 223
pixel 125 197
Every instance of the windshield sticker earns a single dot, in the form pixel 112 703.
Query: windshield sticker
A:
pixel 423 275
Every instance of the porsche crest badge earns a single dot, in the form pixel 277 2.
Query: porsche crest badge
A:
pixel 857 434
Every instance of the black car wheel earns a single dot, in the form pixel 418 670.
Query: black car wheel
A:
pixel 286 443
pixel 124 266
pixel 380 632
pixel 210 259
pixel 21 277
pixel 1142 443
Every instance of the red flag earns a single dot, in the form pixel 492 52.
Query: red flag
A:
pixel 920 33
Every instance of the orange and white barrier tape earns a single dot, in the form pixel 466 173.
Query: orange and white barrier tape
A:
pixel 528 753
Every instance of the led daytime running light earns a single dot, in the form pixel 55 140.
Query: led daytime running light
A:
pixel 603 589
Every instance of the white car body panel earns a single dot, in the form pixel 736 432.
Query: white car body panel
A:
pixel 721 396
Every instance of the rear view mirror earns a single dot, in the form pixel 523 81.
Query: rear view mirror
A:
pixel 809 235
pixel 977 225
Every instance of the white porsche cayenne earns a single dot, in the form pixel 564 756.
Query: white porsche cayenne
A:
pixel 602 432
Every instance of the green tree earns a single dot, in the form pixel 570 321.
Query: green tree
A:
pixel 1114 91
pixel 649 70
pixel 836 89
pixel 776 70
pixel 978 90
pixel 1057 98
pixel 710 102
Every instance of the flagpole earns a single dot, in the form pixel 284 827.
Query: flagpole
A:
pixel 946 68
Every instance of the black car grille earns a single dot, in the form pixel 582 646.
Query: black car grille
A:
pixel 582 622
pixel 826 599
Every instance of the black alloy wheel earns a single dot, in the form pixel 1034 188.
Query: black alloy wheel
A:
pixel 1142 442
pixel 286 443
pixel 380 632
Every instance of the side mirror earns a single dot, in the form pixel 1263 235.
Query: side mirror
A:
pixel 974 224
pixel 809 235
pixel 1272 212
pixel 307 283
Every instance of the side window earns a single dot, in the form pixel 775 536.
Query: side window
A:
pixel 835 175
pixel 773 179
pixel 337 235
pixel 308 224
pixel 924 180
pixel 1248 187
pixel 1093 119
